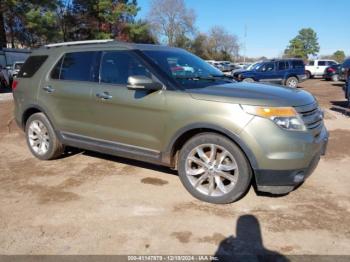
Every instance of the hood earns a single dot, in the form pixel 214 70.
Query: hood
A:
pixel 253 94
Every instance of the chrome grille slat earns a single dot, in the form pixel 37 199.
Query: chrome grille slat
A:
pixel 310 114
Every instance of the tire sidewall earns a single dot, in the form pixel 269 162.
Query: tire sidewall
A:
pixel 52 136
pixel 248 80
pixel 292 78
pixel 244 175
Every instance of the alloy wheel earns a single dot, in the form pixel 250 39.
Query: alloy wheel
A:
pixel 211 170
pixel 38 137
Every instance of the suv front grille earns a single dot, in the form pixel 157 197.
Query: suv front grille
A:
pixel 312 116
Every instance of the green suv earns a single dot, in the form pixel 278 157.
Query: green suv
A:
pixel 166 106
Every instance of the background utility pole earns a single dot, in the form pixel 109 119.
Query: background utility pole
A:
pixel 245 42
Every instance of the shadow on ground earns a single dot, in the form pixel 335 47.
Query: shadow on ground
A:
pixel 342 107
pixel 247 245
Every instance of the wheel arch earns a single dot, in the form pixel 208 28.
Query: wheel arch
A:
pixel 33 109
pixel 186 133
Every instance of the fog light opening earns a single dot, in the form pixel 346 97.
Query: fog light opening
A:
pixel 299 177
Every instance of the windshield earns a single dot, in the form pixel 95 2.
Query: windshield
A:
pixel 187 69
pixel 254 66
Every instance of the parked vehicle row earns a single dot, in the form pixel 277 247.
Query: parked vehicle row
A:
pixel 11 60
pixel 225 66
pixel 287 72
pixel 317 68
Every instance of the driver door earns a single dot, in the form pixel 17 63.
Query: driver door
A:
pixel 130 117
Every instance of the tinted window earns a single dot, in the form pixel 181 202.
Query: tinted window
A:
pixel 32 64
pixel 321 63
pixel 78 66
pixel 282 65
pixel 117 66
pixel 331 63
pixel 268 67
pixel 312 63
pixel 298 64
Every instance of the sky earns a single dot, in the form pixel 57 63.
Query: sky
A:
pixel 272 23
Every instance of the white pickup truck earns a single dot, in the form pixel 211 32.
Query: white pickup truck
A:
pixel 318 67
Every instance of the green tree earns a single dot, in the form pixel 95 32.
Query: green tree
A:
pixel 295 49
pixel 339 56
pixel 139 32
pixel 304 44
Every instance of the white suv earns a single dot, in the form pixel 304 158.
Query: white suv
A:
pixel 318 67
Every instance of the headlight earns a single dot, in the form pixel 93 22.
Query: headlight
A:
pixel 285 117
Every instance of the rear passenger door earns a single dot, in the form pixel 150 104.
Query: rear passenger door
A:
pixel 66 91
pixel 130 117
pixel 282 71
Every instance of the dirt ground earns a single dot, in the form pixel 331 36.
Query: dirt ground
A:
pixel 88 203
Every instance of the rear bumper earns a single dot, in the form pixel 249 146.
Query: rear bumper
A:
pixel 302 78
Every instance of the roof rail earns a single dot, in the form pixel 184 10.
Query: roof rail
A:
pixel 79 43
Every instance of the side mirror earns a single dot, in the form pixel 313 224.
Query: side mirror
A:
pixel 143 83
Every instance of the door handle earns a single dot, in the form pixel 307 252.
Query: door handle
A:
pixel 104 96
pixel 48 89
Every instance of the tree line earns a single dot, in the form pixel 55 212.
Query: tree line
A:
pixel 32 23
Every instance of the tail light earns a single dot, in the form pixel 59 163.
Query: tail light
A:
pixel 14 84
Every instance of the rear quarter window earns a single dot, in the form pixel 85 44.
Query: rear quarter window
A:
pixel 32 65
pixel 298 64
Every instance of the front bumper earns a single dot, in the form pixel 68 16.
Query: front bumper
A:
pixel 284 181
pixel 284 159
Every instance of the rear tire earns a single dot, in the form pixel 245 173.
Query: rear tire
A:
pixel 214 169
pixel 292 82
pixel 41 138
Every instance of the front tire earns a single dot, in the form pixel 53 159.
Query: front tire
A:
pixel 292 82
pixel 248 80
pixel 214 169
pixel 41 138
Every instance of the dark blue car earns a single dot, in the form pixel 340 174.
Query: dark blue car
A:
pixel 287 72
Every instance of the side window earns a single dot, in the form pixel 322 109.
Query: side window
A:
pixel 78 66
pixel 117 66
pixel 321 63
pixel 32 65
pixel 268 67
pixel 282 65
pixel 311 63
pixel 330 63
pixel 297 64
